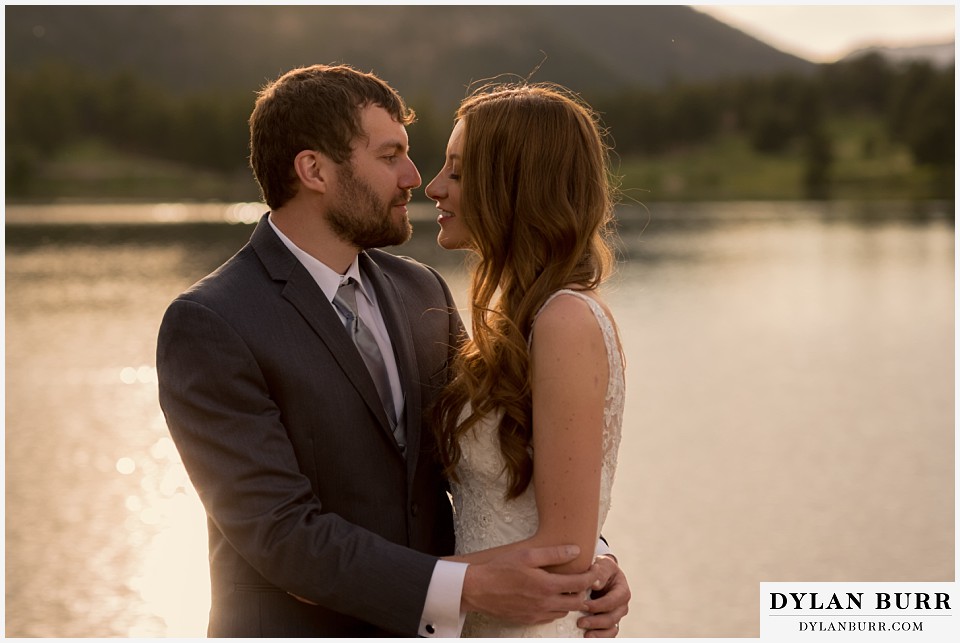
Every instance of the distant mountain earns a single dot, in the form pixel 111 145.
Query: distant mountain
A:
pixel 939 55
pixel 422 50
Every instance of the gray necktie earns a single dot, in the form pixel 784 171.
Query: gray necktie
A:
pixel 346 303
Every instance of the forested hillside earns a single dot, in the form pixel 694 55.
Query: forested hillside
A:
pixel 152 102
pixel 419 49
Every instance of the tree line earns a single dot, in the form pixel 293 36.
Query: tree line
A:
pixel 786 113
pixel 56 105
pixel 915 101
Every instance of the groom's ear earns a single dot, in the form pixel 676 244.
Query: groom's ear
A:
pixel 315 170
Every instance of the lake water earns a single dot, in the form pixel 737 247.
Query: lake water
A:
pixel 790 409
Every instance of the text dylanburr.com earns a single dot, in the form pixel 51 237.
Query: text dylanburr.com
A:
pixel 859 612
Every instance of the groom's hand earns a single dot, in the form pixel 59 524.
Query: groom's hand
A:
pixel 515 587
pixel 608 602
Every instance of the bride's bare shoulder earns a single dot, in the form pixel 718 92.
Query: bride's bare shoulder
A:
pixel 566 324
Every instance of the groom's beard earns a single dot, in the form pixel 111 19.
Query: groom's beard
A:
pixel 362 219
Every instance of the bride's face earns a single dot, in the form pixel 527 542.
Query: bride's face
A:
pixel 445 190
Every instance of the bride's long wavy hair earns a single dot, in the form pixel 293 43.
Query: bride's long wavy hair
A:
pixel 537 198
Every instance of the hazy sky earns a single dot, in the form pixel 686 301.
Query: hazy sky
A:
pixel 824 33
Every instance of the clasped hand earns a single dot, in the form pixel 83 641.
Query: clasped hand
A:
pixel 515 587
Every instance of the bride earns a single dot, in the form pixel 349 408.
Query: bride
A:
pixel 529 426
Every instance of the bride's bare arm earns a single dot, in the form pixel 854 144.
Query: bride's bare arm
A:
pixel 569 382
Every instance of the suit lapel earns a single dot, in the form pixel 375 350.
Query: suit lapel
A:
pixel 305 295
pixel 395 317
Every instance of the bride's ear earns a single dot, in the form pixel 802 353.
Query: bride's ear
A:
pixel 315 170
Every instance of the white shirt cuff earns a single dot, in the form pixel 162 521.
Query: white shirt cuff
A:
pixel 441 611
pixel 602 549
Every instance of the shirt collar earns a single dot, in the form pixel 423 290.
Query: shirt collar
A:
pixel 326 277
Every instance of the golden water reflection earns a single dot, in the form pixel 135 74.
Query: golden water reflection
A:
pixel 770 348
pixel 135 213
pixel 166 526
pixel 105 535
pixel 172 579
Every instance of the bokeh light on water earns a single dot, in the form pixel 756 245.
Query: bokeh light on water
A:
pixel 170 511
pixel 139 213
pixel 105 535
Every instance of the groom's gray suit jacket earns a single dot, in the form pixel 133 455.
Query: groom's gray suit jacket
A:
pixel 280 427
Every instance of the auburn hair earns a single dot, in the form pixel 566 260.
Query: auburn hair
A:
pixel 537 198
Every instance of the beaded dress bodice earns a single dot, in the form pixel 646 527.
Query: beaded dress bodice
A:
pixel 484 518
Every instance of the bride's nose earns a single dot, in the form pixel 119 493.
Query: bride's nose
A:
pixel 435 189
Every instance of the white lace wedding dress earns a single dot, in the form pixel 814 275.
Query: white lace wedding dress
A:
pixel 483 518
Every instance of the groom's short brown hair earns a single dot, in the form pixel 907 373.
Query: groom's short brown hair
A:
pixel 312 108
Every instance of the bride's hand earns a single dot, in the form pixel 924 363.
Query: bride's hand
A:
pixel 608 603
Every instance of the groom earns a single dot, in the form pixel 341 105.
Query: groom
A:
pixel 303 429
